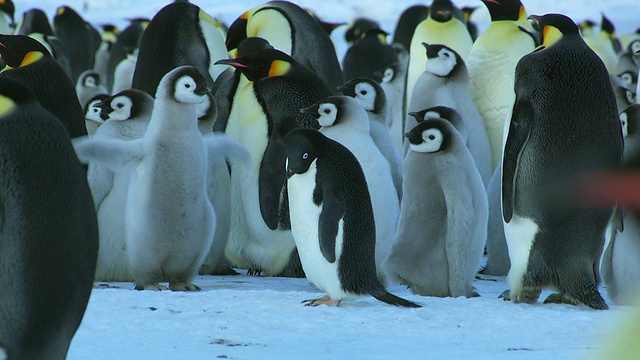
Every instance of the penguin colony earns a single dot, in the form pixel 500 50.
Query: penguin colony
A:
pixel 207 148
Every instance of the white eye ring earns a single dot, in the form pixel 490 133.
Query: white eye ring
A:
pixel 305 156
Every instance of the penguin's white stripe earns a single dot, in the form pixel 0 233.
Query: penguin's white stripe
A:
pixel 215 43
pixel 520 233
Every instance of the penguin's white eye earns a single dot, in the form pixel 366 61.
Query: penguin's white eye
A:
pixel 388 75
pixel 305 156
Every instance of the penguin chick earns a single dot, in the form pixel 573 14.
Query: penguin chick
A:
pixel 332 220
pixel 88 86
pixel 92 113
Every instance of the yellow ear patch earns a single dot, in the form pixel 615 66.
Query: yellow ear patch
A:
pixel 522 15
pixel 6 105
pixel 2 2
pixel 279 68
pixel 382 38
pixel 550 35
pixel 30 58
pixel 60 11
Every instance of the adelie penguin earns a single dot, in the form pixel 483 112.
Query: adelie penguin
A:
pixel 332 220
pixel 553 241
pixel 49 233
pixel 264 108
pixel 29 62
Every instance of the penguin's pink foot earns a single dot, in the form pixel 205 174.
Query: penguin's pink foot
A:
pixel 182 286
pixel 325 300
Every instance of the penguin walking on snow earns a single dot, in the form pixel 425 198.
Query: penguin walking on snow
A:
pixel 555 243
pixel 332 219
pixel 49 233
pixel 443 218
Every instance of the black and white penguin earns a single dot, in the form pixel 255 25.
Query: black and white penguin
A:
pixel 290 29
pixel 29 62
pixel 101 63
pixel 127 43
pixel 602 45
pixel 89 84
pixel 492 64
pixel 393 79
pixel 332 219
pixel 358 27
pixel 49 235
pixel 368 56
pixel 264 108
pixel 552 242
pixel 72 31
pixel 92 113
pixel 34 21
pixel 179 34
pixel 467 11
pixel 441 232
pixel 7 23
pixel 407 22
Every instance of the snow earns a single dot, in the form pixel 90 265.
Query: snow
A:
pixel 249 317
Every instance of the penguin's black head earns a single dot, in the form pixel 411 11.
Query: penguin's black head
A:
pixel 429 136
pixel 13 93
pixel 20 50
pixel 442 10
pixel 367 91
pixel 504 9
pixel 608 27
pixel 67 15
pixel 185 84
pixel 260 64
pixel 442 60
pixel 237 31
pixel 329 111
pixel 357 29
pixel 436 112
pixel 9 8
pixel 302 150
pixel 552 27
pixel 109 28
pixel 251 45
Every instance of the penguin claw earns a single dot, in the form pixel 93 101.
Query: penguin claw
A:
pixel 181 286
pixel 152 287
pixel 326 300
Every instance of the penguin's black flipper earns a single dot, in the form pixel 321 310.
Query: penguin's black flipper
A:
pixel 272 177
pixel 333 211
pixel 521 121
pixel 391 299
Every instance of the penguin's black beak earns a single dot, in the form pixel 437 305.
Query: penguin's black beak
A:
pixel 347 89
pixel 535 21
pixel 311 110
pixel 233 62
pixel 201 90
pixel 416 116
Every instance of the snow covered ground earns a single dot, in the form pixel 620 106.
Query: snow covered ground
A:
pixel 246 317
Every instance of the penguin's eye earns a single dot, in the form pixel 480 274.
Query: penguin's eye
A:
pixel 631 97
pixel 188 86
pixel 119 105
pixel 363 92
pixel 431 137
pixel 326 111
pixel 305 156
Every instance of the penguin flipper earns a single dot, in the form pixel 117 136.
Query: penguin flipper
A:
pixel 519 127
pixel 219 144
pixel 113 153
pixel 333 211
pixel 387 297
pixel 271 180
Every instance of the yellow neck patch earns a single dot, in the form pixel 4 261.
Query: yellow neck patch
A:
pixel 30 58
pixel 550 35
pixel 279 68
pixel 6 105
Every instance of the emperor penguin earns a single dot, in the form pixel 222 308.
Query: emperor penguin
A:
pixel 368 56
pixel 445 82
pixel 123 75
pixel 170 178
pixel 7 23
pixel 440 27
pixel 332 220
pixel 443 219
pixel 72 31
pixel 49 235
pixel 393 78
pixel 602 45
pixel 89 85
pixel 358 28
pixel 407 22
pixel 444 113
pixel 101 62
pixel 180 33
pixel 127 43
pixel 492 64
pixel 126 116
pixel 264 107
pixel 290 29
pixel 29 62
pixel 34 21
pixel 630 122
pixel 552 242
pixel 625 97
pixel 371 96
pixel 344 120
pixel 92 119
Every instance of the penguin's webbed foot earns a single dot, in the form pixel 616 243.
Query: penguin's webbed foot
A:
pixel 558 298
pixel 506 295
pixel 326 300
pixel 152 287
pixel 182 286
pixel 254 272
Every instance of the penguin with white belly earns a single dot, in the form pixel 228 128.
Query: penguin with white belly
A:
pixel 344 120
pixel 554 242
pixel 49 233
pixel 407 22
pixel 445 82
pixel 264 108
pixel 373 99
pixel 442 230
pixel 179 34
pixel 332 220
pixel 393 78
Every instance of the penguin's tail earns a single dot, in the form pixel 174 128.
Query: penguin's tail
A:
pixel 219 144
pixel 391 299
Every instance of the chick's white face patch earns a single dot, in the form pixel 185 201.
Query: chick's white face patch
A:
pixel 366 95
pixel 443 64
pixel 328 114
pixel 431 141
pixel 184 90
pixel 121 106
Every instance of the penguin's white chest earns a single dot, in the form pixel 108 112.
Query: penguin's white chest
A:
pixel 519 233
pixel 305 215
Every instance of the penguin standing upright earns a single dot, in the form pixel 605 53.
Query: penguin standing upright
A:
pixel 101 62
pixel 179 34
pixel 555 243
pixel 89 84
pixel 7 8
pixel 290 29
pixel 407 22
pixel 30 63
pixel 332 219
pixel 264 108
pixel 127 43
pixel 49 235
pixel 630 121
pixel 441 232
pixel 602 45
pixel 445 82
pixel 123 74
pixel 72 31
pixel 34 21
pixel 373 99
pixel 393 79
pixel 344 120
pixel 368 56
pixel 492 64
pixel 440 27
